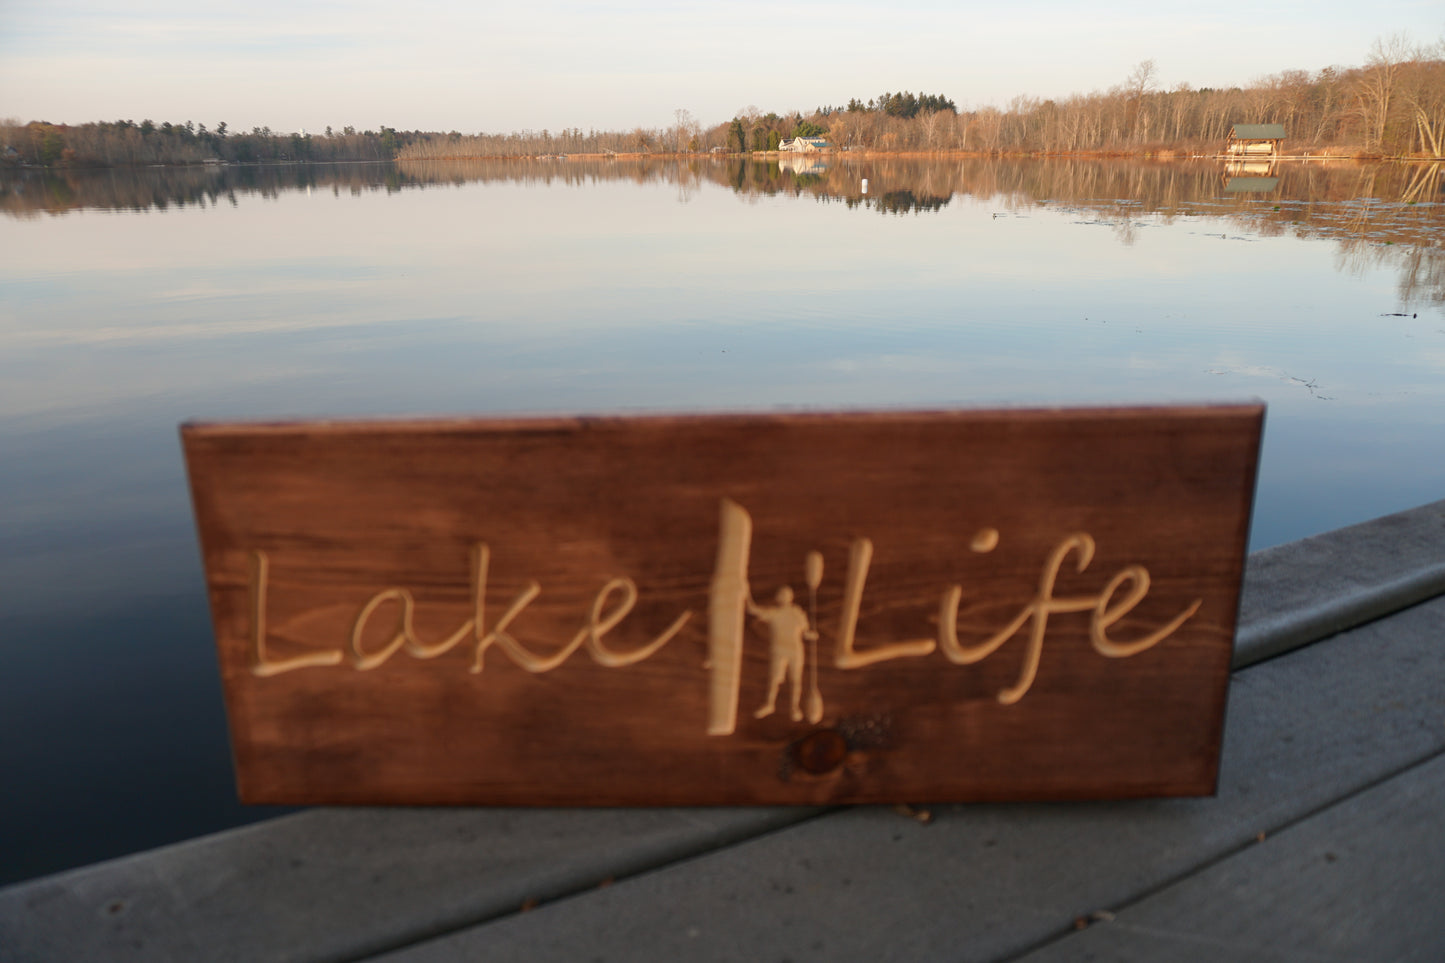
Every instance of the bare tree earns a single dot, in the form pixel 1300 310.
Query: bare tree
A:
pixel 684 130
pixel 935 125
pixel 1139 83
pixel 1375 89
pixel 1422 90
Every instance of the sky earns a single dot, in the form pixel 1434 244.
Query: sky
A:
pixel 474 67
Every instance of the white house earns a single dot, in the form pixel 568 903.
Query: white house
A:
pixel 805 144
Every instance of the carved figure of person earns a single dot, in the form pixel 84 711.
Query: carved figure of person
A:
pixel 788 627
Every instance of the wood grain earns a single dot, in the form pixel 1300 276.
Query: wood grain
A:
pixel 597 571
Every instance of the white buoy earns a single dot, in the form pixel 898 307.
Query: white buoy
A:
pixel 865 185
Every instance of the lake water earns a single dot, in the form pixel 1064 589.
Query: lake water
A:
pixel 131 301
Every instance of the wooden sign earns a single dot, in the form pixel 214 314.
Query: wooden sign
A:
pixel 797 608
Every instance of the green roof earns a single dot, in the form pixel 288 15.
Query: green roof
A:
pixel 1259 131
pixel 1238 185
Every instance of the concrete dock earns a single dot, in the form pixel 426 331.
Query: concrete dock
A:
pixel 1325 841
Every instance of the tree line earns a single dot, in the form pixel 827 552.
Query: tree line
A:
pixel 1392 105
pixel 125 143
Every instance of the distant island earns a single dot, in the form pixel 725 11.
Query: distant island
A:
pixel 1391 107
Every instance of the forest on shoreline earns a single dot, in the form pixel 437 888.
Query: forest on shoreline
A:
pixel 1393 106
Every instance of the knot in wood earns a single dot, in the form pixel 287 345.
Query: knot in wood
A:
pixel 820 752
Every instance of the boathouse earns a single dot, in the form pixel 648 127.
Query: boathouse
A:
pixel 1255 139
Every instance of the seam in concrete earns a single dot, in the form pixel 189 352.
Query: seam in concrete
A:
pixel 1274 636
pixel 1067 932
pixel 625 871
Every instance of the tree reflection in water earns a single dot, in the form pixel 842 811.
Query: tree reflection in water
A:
pixel 1382 214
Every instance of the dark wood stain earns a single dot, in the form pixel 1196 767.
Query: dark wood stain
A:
pixel 344 511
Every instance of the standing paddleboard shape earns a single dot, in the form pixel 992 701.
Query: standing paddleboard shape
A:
pixel 813 569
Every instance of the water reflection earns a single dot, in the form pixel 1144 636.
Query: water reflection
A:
pixel 801 164
pixel 1251 176
pixel 512 286
pixel 1380 214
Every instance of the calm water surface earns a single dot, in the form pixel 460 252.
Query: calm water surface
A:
pixel 132 301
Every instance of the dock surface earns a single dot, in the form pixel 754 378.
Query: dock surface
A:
pixel 1325 841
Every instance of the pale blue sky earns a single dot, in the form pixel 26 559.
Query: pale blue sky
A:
pixel 432 64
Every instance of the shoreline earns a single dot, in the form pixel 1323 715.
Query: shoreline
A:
pixel 1326 155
